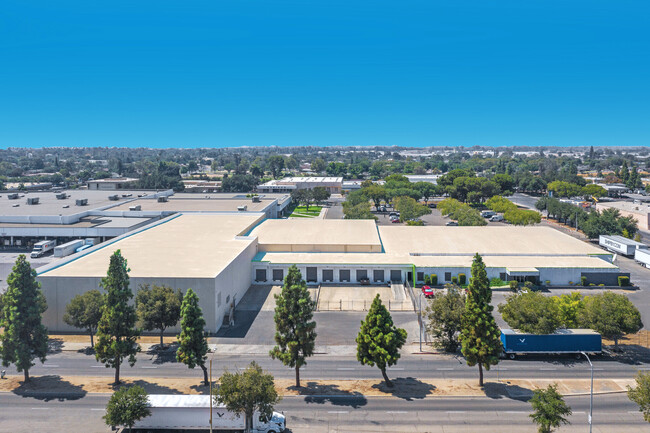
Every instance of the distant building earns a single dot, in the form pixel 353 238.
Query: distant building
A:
pixel 202 185
pixel 112 183
pixel 431 178
pixel 333 185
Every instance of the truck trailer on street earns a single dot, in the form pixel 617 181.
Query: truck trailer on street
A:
pixel 620 245
pixel 563 341
pixel 192 412
pixel 642 256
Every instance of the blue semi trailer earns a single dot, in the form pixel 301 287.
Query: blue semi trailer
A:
pixel 562 341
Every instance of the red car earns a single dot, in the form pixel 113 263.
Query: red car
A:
pixel 427 292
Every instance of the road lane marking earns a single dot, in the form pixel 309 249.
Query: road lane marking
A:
pixel 394 368
pixel 548 369
pixel 456 411
pixel 40 408
pixel 445 369
pixel 516 411
pixel 97 366
pixel 148 367
pixel 50 365
pixel 97 408
pixel 345 368
pixel 396 411
pixel 337 411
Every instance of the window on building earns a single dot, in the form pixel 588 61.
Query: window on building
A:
pixel 260 274
pixel 219 299
pixel 278 275
pixel 447 276
pixel 503 276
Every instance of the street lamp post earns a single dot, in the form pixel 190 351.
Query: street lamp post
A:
pixel 591 394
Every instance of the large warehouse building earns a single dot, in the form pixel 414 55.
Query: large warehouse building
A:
pixel 220 255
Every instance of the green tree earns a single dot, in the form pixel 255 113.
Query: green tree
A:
pixel 549 409
pixel 379 340
pixel 247 392
pixel 276 164
pixel 409 209
pixel 85 311
pixel 193 348
pixel 158 307
pixel 318 165
pixel 116 333
pixel 320 194
pixel 126 407
pixel 531 312
pixel 295 329
pixel 480 337
pixel 23 337
pixel 640 394
pixel 564 189
pixel 569 308
pixel 444 315
pixel 611 314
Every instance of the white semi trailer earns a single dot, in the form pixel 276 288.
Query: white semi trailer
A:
pixel 40 248
pixel 192 412
pixel 642 257
pixel 67 248
pixel 620 245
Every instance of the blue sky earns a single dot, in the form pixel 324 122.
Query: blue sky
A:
pixel 253 73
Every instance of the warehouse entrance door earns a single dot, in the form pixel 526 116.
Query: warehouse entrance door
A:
pixel 312 274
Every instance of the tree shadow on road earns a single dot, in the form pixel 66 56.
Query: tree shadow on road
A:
pixel 48 388
pixel 166 354
pixel 506 390
pixel 321 394
pixel 631 354
pixel 54 345
pixel 407 388
pixel 150 387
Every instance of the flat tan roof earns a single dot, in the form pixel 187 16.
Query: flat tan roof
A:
pixel 195 205
pixel 186 246
pixel 315 231
pixel 493 240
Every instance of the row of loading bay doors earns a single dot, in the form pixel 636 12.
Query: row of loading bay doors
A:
pixel 344 275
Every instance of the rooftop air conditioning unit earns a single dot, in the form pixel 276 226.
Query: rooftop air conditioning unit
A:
pixel 162 199
pixel 242 208
pixel 32 200
pixel 256 199
pixel 61 196
pixel 135 208
pixel 81 202
pixel 13 196
pixel 114 197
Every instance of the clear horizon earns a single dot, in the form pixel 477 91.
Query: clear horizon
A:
pixel 285 73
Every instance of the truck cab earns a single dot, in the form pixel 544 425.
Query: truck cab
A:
pixel 40 248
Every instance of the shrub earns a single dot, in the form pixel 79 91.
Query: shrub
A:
pixel 623 281
pixel 414 223
pixel 497 282
pixel 434 280
pixel 427 280
pixel 514 285
pixel 454 280
pixel 583 281
pixel 462 279
pixel 601 285
pixel 529 285
pixel 547 282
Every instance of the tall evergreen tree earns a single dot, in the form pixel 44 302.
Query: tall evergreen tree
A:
pixel 379 340
pixel 193 347
pixel 24 338
pixel 116 333
pixel 480 336
pixel 295 334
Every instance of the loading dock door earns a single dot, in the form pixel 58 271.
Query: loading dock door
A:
pixel 278 275
pixel 396 275
pixel 361 274
pixel 344 275
pixel 328 275
pixel 312 274
pixel 378 275
pixel 260 274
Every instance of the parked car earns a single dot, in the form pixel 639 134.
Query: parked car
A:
pixel 451 223
pixel 427 292
pixel 394 220
pixel 432 205
pixel 364 281
pixel 382 208
pixel 496 218
pixel 488 213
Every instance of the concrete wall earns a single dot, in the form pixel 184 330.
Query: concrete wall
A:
pixel 60 290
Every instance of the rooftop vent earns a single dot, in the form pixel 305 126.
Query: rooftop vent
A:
pixel 256 199
pixel 135 208
pixel 32 200
pixel 61 196
pixel 162 199
pixel 81 202
pixel 114 197
pixel 242 208
pixel 13 196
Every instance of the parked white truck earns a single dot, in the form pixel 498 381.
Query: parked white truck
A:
pixel 620 245
pixel 67 248
pixel 40 248
pixel 192 412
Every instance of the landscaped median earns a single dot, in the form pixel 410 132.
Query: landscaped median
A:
pixel 405 388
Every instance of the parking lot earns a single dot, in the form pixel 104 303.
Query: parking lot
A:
pixel 433 219
pixel 359 298
pixel 8 258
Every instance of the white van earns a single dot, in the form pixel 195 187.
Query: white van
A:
pixel 496 218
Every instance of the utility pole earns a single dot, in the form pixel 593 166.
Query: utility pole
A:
pixel 591 394
pixel 211 395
